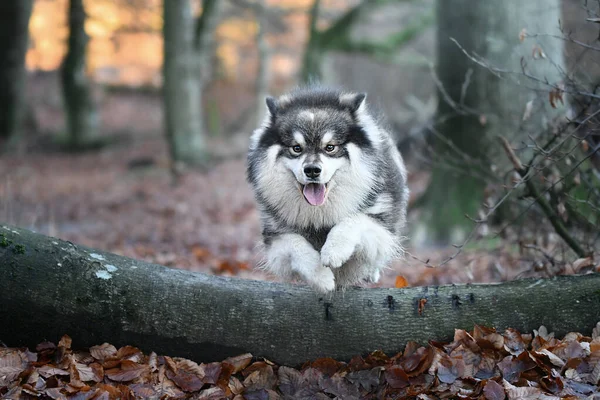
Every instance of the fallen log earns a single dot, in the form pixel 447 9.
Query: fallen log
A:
pixel 49 287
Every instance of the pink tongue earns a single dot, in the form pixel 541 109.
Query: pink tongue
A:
pixel 314 193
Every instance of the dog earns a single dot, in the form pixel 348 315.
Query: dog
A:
pixel 331 190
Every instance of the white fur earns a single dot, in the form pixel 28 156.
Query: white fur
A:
pixel 291 254
pixel 361 237
pixel 382 204
pixel 308 115
pixel 299 138
pixel 327 136
pixel 366 121
pixel 348 185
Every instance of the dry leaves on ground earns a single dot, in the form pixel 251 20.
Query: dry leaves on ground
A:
pixel 482 364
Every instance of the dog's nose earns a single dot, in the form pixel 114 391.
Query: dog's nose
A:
pixel 312 170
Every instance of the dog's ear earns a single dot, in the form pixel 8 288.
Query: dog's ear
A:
pixel 353 100
pixel 272 105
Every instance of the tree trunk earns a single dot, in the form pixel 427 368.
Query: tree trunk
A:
pixel 475 106
pixel 82 116
pixel 14 36
pixel 49 287
pixel 262 79
pixel 313 54
pixel 186 61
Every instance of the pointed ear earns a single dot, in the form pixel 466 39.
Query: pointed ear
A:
pixel 272 105
pixel 353 100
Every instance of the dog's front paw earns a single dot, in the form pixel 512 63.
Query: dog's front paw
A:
pixel 322 280
pixel 373 276
pixel 337 250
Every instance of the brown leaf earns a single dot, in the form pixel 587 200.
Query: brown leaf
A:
pixel 109 391
pixel 143 390
pixel 290 380
pixel 328 366
pixel 396 377
pixel 421 308
pixel 554 96
pixel 93 372
pixel 128 371
pixel 47 371
pixel 12 363
pixel 103 351
pixel 201 253
pixel 213 393
pixel 418 362
pixel 239 362
pixel 493 391
pixel 187 381
pixel 341 388
pixel 236 387
pixel 55 393
pixel 226 372
pixel 130 353
pixel 260 375
pixel 45 346
pixel 65 342
pixel 367 378
pixel 583 263
pixel 211 372
pixel 377 358
pixel 513 341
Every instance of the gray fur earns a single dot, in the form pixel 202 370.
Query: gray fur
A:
pixel 364 177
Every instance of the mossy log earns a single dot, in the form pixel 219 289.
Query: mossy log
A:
pixel 49 287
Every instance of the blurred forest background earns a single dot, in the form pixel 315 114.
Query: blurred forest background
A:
pixel 124 124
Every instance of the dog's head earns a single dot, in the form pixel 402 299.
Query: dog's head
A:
pixel 322 139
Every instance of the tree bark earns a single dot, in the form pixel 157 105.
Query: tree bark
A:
pixel 186 64
pixel 49 287
pixel 14 36
pixel 476 106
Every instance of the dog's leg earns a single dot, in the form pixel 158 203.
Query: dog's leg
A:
pixel 362 237
pixel 291 253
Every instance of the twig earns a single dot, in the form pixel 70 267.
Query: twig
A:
pixel 541 200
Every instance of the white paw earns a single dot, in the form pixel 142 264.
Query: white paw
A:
pixel 322 280
pixel 373 276
pixel 335 254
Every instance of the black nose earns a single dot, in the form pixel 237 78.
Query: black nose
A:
pixel 312 170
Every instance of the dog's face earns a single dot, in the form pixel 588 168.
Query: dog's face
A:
pixel 314 147
pixel 319 145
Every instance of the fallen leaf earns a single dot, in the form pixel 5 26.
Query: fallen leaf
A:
pixel 396 377
pixel 400 282
pixel 493 391
pixel 127 371
pixel 239 362
pixel 103 351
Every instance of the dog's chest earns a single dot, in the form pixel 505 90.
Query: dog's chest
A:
pixel 316 237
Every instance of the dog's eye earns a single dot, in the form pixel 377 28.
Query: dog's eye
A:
pixel 330 148
pixel 297 149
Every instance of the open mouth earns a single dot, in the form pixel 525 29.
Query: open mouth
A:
pixel 315 193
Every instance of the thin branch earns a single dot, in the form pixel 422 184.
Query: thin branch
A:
pixel 541 200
